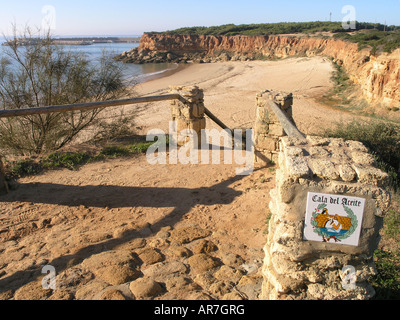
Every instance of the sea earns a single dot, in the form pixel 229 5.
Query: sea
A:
pixel 133 73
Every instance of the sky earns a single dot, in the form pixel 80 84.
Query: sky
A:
pixel 131 17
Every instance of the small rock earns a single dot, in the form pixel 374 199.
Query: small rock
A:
pixel 114 267
pixel 32 291
pixel 205 246
pixel 112 294
pixel 150 256
pixel 62 295
pixel 200 263
pixel 120 232
pixel 145 288
pixel 228 273
pixel 231 259
pixel 122 289
pixel 116 275
pixel 157 243
pixel 6 295
pixel 137 243
pixel 220 288
pixel 205 280
pixel 160 271
pixel 249 268
pixel 88 291
pixel 179 251
pixel 181 283
pixel 73 277
pixel 110 258
pixel 163 234
pixel 250 286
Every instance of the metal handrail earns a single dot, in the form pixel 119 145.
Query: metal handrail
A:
pixel 85 106
pixel 290 129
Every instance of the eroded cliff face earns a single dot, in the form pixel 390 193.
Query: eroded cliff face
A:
pixel 377 76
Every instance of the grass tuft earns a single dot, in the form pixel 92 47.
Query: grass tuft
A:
pixel 72 160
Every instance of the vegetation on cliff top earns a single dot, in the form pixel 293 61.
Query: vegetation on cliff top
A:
pixel 278 28
pixel 379 41
pixel 378 36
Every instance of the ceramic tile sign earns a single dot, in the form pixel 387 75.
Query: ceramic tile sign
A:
pixel 334 219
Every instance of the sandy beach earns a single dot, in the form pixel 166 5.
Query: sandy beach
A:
pixel 230 90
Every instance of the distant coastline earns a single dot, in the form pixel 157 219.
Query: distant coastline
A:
pixel 76 41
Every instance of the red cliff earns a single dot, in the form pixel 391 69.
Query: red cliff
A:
pixel 378 76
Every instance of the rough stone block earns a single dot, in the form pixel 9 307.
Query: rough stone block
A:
pixel 325 169
pixel 261 129
pixel 371 175
pixel 187 112
pixel 363 158
pixel 318 141
pixel 319 152
pixel 347 173
pixel 276 129
pixel 297 167
pixel 198 110
pixel 262 114
pixel 266 143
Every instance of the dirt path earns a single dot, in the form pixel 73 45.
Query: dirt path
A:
pixel 64 218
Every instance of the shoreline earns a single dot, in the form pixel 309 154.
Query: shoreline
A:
pixel 162 74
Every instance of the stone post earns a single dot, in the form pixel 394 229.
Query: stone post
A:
pixel 326 191
pixel 189 113
pixel 3 182
pixel 267 128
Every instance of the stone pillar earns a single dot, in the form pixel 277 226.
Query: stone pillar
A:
pixel 3 182
pixel 301 260
pixel 267 128
pixel 190 112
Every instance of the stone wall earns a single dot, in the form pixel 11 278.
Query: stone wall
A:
pixel 268 129
pixel 295 268
pixel 189 112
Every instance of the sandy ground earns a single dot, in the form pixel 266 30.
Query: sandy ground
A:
pixel 64 218
pixel 230 90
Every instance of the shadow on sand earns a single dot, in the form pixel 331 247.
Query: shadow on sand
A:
pixel 181 199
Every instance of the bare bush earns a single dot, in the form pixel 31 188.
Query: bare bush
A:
pixel 35 72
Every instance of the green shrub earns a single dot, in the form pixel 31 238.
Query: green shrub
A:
pixel 377 40
pixel 392 225
pixel 140 147
pixel 23 168
pixel 115 152
pixel 71 160
pixel 387 280
pixel 65 160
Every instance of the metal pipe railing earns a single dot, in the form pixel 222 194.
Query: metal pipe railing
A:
pixel 85 106
pixel 290 129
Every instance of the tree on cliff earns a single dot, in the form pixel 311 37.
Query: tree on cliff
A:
pixel 34 72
